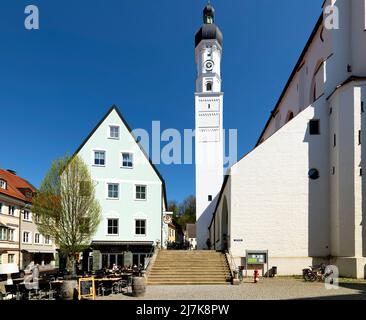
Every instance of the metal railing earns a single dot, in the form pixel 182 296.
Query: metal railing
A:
pixel 232 265
pixel 151 256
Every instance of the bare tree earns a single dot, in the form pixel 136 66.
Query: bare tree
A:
pixel 66 208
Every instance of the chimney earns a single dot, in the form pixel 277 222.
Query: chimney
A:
pixel 12 172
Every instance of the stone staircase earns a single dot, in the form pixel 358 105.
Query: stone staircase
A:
pixel 205 267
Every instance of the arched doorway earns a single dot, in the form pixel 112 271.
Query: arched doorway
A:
pixel 225 226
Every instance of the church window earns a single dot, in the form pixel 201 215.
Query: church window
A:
pixel 359 137
pixel 333 171
pixel 290 116
pixel 330 110
pixel 362 107
pixel 364 14
pixel 209 86
pixel 314 174
pixel 317 84
pixel 361 172
pixel 334 140
pixel 210 198
pixel 314 127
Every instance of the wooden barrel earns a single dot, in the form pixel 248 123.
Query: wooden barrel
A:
pixel 138 286
pixel 69 290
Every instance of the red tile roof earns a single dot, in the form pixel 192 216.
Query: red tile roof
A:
pixel 16 187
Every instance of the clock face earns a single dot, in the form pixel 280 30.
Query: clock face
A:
pixel 167 219
pixel 209 64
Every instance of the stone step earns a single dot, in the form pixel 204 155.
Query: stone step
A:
pixel 189 267
pixel 186 283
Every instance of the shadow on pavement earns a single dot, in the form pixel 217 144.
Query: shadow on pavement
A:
pixel 361 295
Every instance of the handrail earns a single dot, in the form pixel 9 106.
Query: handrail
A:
pixel 232 264
pixel 150 255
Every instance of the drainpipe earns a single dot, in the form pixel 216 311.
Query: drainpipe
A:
pixel 19 237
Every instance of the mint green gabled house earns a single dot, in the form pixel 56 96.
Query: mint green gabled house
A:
pixel 130 191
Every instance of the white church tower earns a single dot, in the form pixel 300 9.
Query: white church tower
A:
pixel 209 122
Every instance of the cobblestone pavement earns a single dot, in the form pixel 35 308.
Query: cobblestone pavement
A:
pixel 266 289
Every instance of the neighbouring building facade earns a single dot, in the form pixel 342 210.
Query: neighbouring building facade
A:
pixel 131 193
pixel 301 192
pixel 190 235
pixel 20 241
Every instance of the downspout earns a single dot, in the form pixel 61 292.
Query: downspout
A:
pixel 19 237
pixel 20 233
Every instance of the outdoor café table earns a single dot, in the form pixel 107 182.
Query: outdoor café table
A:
pixel 57 281
pixel 108 279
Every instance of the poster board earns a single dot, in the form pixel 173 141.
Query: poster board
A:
pixel 86 288
pixel 256 258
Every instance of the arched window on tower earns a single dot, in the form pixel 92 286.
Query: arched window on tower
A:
pixel 290 116
pixel 209 86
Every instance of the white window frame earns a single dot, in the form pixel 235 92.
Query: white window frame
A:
pixel 13 256
pixel 35 238
pixel 105 157
pixel 140 235
pixel 29 237
pixel 135 192
pixel 29 218
pixel 112 234
pixel 132 159
pixel 11 212
pixel 110 131
pixel 13 231
pixel 3 184
pixel 107 190
pixel 45 238
pixel 5 232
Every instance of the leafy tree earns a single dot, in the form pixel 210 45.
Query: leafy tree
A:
pixel 185 212
pixel 173 206
pixel 188 209
pixel 66 208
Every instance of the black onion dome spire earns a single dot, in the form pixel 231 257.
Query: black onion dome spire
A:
pixel 209 14
pixel 209 31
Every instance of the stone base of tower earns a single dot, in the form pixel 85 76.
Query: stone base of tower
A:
pixel 203 222
pixel 350 267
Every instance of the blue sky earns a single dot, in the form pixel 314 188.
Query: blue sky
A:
pixel 58 82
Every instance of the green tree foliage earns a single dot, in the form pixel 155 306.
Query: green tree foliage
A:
pixel 65 206
pixel 185 212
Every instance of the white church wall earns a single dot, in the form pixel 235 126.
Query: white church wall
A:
pixel 343 182
pixel 341 47
pixel 299 92
pixel 274 205
pixel 358 30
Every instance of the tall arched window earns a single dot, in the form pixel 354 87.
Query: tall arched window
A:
pixel 209 86
pixel 290 116
pixel 317 83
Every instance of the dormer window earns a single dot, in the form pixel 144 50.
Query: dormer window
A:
pixel 114 132
pixel 2 184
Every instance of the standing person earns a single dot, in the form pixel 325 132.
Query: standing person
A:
pixel 208 243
